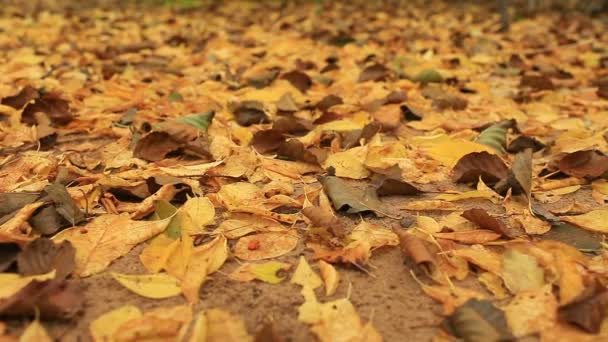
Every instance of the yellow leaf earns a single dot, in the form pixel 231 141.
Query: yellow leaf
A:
pixel 107 238
pixel 521 272
pixel 155 255
pixel 339 321
pixel 428 224
pixel 483 191
pixel 265 245
pixel 223 326
pixel 190 170
pixel 330 276
pixel 103 327
pixel 10 283
pixel 375 235
pixel 35 332
pixel 199 328
pixel 154 286
pixel 384 156
pixel 449 150
pixel 205 260
pixel 178 261
pixel 200 210
pixel 160 324
pixel 266 272
pixel 348 164
pixel 595 220
pixel 305 276
pixel 241 193
pixel 532 311
pixel 493 283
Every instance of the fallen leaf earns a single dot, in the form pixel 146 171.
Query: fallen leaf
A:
pixel 331 277
pixel 520 175
pixel 589 313
pixel 104 327
pixel 106 238
pixel 269 245
pixel 163 323
pixel 478 320
pixel 591 163
pixel 595 220
pixel 155 286
pixel 8 255
pixel 43 255
pixel 484 165
pixel 350 199
pixel 298 79
pixel 35 332
pixel 470 236
pixel 532 311
pixel 200 210
pixel 204 260
pixel 266 272
pixel 521 272
pixel 305 276
pixel 222 326
pixel 417 249
pixel 348 164
pixel 375 72
pixel 495 136
pixel 486 221
pixel 581 239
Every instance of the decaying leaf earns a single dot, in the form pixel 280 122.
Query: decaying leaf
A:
pixel 532 311
pixel 265 245
pixel 478 320
pixel 43 255
pixel 163 323
pixel 350 199
pixel 589 313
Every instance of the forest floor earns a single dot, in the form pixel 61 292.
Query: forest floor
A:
pixel 290 172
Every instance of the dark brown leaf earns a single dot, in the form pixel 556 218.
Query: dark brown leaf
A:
pixel 328 101
pixel 523 142
pixel 478 320
pixel 11 201
pixel 376 72
pixel 8 255
pixel 387 186
pixel 268 334
pixel 294 150
pixel 43 255
pixel 51 299
pixel 266 141
pixel 583 164
pixel 155 146
pixel 442 99
pixel 489 167
pixel 20 99
pixel 486 221
pixel 249 113
pixel 55 108
pixel 537 82
pixel 520 175
pixel 64 204
pixel 298 79
pixel 588 314
pixel 47 220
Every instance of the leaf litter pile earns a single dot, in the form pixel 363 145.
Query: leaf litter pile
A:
pixel 259 171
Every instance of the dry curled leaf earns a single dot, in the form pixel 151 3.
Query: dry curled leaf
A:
pixel 264 245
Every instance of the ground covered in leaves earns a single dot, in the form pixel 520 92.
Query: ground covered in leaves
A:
pixel 260 171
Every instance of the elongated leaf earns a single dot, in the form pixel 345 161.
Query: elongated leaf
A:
pixel 494 136
pixel 350 199
pixel 200 120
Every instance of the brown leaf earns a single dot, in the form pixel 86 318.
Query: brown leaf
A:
pixel 155 146
pixel 589 313
pixel 328 101
pixel 42 256
pixel 64 204
pixel 415 248
pixel 523 142
pixel 249 113
pixel 479 164
pixel 8 255
pixel 583 164
pixel 387 186
pixel 487 221
pixel 20 99
pixel 294 150
pixel 322 218
pixel 268 333
pixel 535 82
pixel 51 299
pixel 520 175
pixel 350 199
pixel 376 72
pixel 389 116
pixel 298 79
pixel 478 320
pixel 56 108
pixel 443 99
